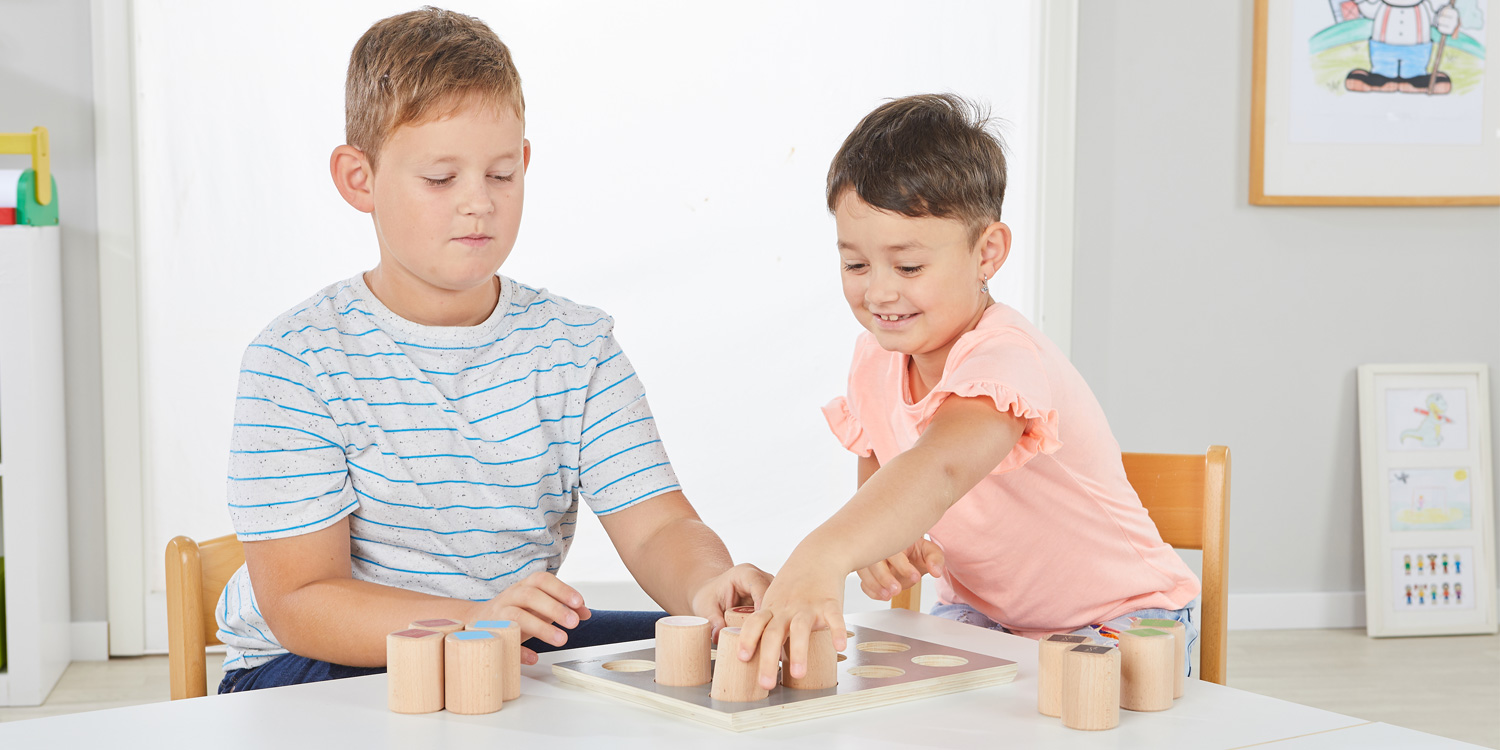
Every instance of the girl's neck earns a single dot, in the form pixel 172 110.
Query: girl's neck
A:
pixel 924 370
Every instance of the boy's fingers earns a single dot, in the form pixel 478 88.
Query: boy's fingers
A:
pixel 533 626
pixel 544 605
pixel 528 656
pixel 562 592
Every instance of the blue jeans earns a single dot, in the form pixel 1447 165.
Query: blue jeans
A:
pixel 602 627
pixel 1399 60
pixel 969 616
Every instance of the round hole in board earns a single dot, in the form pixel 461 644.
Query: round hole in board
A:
pixel 939 660
pixel 630 665
pixel 883 647
pixel 848 633
pixel 842 657
pixel 876 671
pixel 713 654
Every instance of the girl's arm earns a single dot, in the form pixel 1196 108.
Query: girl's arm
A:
pixel 967 439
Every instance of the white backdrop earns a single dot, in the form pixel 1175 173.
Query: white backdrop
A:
pixel 679 152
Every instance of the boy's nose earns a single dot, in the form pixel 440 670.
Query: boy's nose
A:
pixel 476 200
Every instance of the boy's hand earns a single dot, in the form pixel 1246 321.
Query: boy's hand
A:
pixel 740 585
pixel 535 604
pixel 795 604
pixel 898 573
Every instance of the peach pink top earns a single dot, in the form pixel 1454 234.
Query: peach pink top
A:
pixel 1054 538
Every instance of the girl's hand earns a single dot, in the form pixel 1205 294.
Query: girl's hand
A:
pixel 535 604
pixel 898 573
pixel 740 585
pixel 796 603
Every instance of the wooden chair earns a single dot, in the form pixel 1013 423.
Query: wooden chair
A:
pixel 1187 496
pixel 196 575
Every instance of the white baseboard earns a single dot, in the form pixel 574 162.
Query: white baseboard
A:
pixel 90 641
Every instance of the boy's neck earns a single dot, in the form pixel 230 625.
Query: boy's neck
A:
pixel 424 304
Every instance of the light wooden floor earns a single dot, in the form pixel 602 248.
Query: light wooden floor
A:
pixel 1445 686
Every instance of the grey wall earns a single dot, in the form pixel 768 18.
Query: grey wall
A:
pixel 1201 319
pixel 46 78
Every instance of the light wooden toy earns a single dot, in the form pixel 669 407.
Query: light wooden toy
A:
pixel 683 644
pixel 1179 648
pixel 822 664
pixel 471 672
pixel 509 633
pixel 1091 688
pixel 442 625
pixel 737 616
pixel 734 680
pixel 1146 669
pixel 414 670
pixel 1049 673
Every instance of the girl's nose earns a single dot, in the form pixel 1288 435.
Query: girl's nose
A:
pixel 882 289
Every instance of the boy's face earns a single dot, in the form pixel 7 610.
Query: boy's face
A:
pixel 921 270
pixel 447 197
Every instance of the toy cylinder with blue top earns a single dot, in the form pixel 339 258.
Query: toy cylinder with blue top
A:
pixel 509 633
pixel 471 672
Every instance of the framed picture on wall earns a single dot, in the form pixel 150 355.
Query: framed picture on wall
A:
pixel 1375 102
pixel 1429 513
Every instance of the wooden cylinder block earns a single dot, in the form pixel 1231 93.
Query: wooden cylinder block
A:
pixel 683 644
pixel 1091 688
pixel 1146 669
pixel 1049 673
pixel 471 672
pixel 509 633
pixel 737 616
pixel 1179 648
pixel 735 680
pixel 822 664
pixel 441 625
pixel 414 671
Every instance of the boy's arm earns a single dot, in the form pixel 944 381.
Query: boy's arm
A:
pixel 679 561
pixel 318 610
pixel 966 440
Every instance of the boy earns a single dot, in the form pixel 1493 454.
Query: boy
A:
pixel 412 442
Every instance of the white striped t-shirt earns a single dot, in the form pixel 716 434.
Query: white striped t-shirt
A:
pixel 458 453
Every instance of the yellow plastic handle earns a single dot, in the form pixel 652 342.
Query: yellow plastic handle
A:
pixel 39 146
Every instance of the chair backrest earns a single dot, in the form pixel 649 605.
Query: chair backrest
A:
pixel 196 575
pixel 1187 495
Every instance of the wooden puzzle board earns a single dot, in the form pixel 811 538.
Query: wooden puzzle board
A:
pixel 867 678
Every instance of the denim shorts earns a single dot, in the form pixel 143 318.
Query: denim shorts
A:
pixel 969 616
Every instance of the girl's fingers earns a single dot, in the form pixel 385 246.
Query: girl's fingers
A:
pixel 796 646
pixel 904 572
pixel 750 634
pixel 868 585
pixel 835 620
pixel 770 652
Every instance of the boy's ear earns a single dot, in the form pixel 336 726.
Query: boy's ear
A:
pixel 994 248
pixel 353 176
pixel 525 154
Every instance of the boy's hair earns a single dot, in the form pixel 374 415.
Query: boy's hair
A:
pixel 421 66
pixel 924 155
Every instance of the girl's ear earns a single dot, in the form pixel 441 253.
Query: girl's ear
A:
pixel 353 175
pixel 994 248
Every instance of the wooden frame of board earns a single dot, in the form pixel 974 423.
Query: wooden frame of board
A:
pixel 1359 190
pixel 1429 512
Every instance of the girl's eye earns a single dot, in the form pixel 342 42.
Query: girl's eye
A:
pixel 854 267
pixel 908 270
pixel 438 181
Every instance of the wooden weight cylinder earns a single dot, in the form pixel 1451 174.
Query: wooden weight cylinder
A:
pixel 471 672
pixel 1146 669
pixel 822 664
pixel 737 616
pixel 509 633
pixel 1049 674
pixel 414 671
pixel 1091 688
pixel 1179 649
pixel 735 680
pixel 441 625
pixel 683 644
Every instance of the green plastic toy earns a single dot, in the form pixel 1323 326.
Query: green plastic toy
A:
pixel 28 211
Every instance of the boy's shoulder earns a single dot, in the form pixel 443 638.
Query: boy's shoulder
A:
pixel 539 306
pixel 335 307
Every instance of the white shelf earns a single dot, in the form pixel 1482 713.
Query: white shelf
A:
pixel 33 465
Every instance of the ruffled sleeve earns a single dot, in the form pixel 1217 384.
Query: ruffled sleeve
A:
pixel 846 428
pixel 1009 370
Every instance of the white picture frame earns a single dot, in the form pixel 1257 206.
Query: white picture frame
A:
pixel 1427 487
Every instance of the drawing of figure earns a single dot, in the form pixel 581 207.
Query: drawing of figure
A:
pixel 1422 594
pixel 1407 562
pixel 1430 432
pixel 1445 563
pixel 1457 564
pixel 1445 593
pixel 1408 594
pixel 1458 593
pixel 1432 563
pixel 1401 46
pixel 1434 593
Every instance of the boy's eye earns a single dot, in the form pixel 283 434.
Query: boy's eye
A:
pixel 908 269
pixel 854 267
pixel 502 177
pixel 436 181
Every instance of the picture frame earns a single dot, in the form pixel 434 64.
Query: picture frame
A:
pixel 1341 119
pixel 1427 489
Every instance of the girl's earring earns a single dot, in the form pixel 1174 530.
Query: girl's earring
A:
pixel 984 287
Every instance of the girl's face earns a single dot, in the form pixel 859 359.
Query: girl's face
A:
pixel 914 282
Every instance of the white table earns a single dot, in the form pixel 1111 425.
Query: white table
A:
pixel 352 713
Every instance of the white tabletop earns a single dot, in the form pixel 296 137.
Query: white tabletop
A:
pixel 352 713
